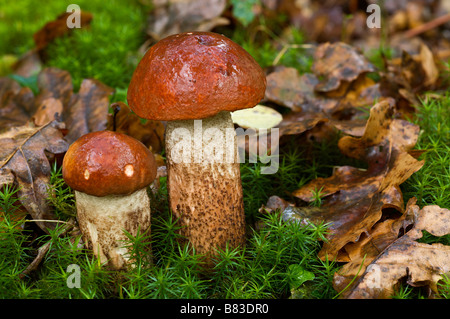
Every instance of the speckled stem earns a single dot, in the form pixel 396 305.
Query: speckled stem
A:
pixel 204 182
pixel 102 222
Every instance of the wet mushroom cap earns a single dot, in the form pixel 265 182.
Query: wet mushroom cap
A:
pixel 108 163
pixel 194 75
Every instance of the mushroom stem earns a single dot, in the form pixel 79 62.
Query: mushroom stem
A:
pixel 204 182
pixel 103 220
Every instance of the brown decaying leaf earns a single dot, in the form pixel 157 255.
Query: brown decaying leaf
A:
pixel 33 129
pixel 82 112
pixel 16 107
pixel 336 63
pixel 407 77
pixel 57 28
pixel 170 17
pixel 354 199
pixel 23 161
pixel 29 64
pixel 335 99
pixel 150 133
pixel 87 110
pixel 421 264
pixel 285 86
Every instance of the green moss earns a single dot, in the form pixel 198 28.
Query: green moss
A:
pixel 268 49
pixel 106 50
pixel 431 184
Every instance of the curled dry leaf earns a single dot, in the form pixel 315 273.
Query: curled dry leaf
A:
pixel 337 63
pixel 17 107
pixel 23 162
pixel 150 133
pixel 57 28
pixel 82 112
pixel 420 263
pixel 339 108
pixel 170 17
pixel 408 76
pixel 287 87
pixel 354 199
pixel 88 109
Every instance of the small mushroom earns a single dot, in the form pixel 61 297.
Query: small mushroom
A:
pixel 109 173
pixel 203 76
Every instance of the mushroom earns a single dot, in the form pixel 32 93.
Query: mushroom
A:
pixel 194 80
pixel 109 173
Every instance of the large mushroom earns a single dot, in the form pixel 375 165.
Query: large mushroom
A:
pixel 109 173
pixel 194 80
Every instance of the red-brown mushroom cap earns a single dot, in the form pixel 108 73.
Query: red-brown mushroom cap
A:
pixel 194 75
pixel 108 163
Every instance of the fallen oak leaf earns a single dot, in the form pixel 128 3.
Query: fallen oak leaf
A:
pixel 23 161
pixel 337 63
pixel 87 110
pixel 16 107
pixel 361 254
pixel 55 83
pixel 354 199
pixel 58 28
pixel 170 17
pixel 47 111
pixel 8 85
pixel 407 77
pixel 19 104
pixel 422 264
pixel 286 87
pixel 149 132
pixel 381 127
pixel 82 112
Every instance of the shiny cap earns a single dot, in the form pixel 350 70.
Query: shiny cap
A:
pixel 108 163
pixel 194 75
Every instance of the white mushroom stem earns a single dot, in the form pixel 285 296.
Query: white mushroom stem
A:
pixel 204 182
pixel 102 221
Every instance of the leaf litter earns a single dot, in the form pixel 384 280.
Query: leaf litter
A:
pixel 370 229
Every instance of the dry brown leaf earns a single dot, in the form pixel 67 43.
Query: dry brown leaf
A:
pixel 287 87
pixel 420 263
pixel 338 63
pixel 57 28
pixel 354 199
pixel 150 133
pixel 428 65
pixel 23 162
pixel 82 112
pixel 56 83
pixel 46 111
pixel 370 245
pixel 340 107
pixel 16 107
pixel 406 78
pixel 171 17
pixel 87 110
pixel 28 64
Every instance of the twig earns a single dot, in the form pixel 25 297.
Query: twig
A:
pixel 42 251
pixel 427 26
pixel 47 221
pixel 290 46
